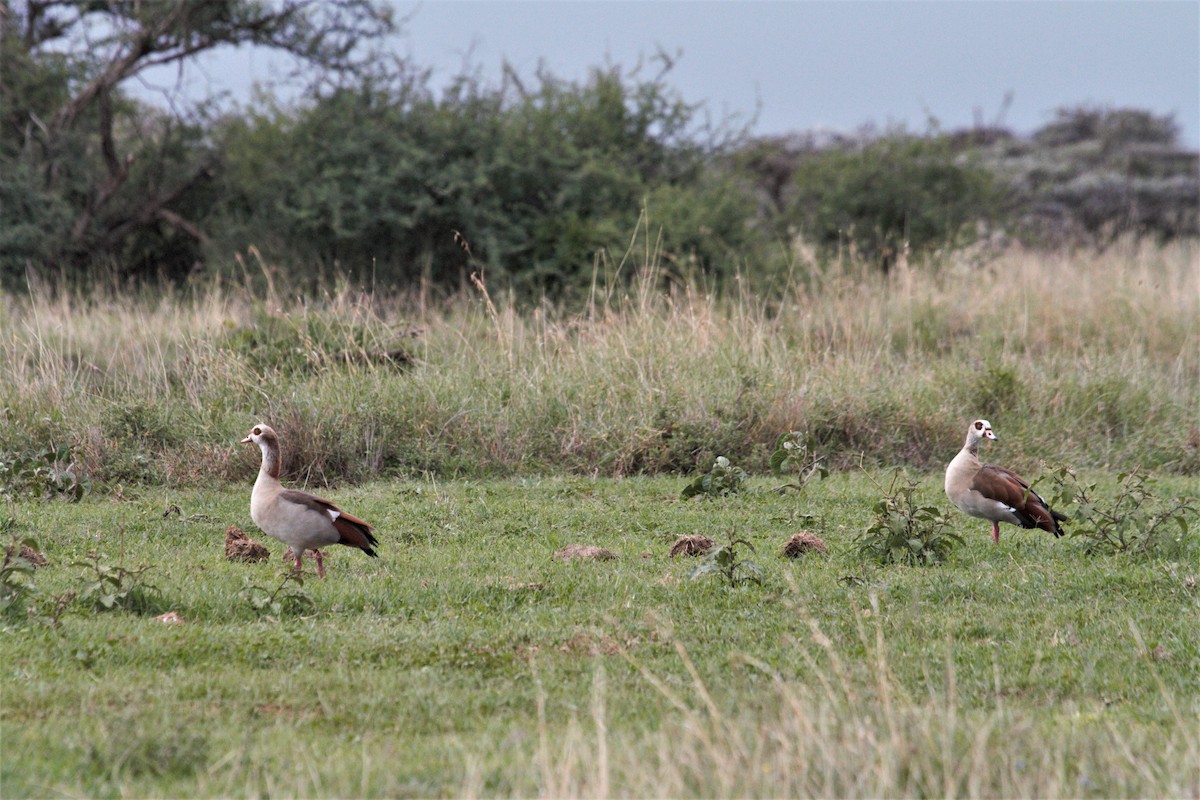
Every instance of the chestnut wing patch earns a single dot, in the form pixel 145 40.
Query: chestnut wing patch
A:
pixel 1009 488
pixel 353 532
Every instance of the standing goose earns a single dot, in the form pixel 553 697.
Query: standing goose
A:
pixel 300 520
pixel 994 493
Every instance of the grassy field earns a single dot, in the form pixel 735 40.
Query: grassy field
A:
pixel 480 438
pixel 466 660
pixel 1092 359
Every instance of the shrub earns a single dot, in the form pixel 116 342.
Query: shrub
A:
pixel 107 587
pixel 41 474
pixel 888 194
pixel 795 454
pixel 904 532
pixel 1134 520
pixel 15 587
pixel 388 182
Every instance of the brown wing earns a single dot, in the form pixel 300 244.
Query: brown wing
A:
pixel 353 531
pixel 1011 489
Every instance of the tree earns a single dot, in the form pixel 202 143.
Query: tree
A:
pixel 889 193
pixel 101 174
pixel 387 181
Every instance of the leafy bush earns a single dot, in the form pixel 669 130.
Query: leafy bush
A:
pixel 723 479
pixel 40 474
pixel 904 532
pixel 887 194
pixel 1134 520
pixel 390 183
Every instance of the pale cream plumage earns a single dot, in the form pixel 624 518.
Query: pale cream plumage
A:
pixel 994 493
pixel 300 520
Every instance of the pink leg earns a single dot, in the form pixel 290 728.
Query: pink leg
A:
pixel 299 555
pixel 996 532
pixel 320 564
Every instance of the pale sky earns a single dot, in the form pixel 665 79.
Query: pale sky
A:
pixel 806 65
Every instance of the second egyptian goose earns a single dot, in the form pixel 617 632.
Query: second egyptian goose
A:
pixel 300 520
pixel 994 493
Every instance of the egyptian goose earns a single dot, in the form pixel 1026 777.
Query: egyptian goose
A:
pixel 300 520
pixel 994 493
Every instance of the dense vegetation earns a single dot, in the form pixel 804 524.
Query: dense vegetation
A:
pixel 536 183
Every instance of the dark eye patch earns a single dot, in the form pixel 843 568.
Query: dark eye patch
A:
pixel 978 425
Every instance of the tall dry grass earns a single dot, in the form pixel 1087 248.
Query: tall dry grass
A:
pixel 1083 357
pixel 831 734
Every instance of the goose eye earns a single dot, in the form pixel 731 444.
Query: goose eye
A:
pixel 978 426
pixel 257 431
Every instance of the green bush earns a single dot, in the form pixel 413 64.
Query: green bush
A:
pixel 392 185
pixel 885 194
pixel 905 532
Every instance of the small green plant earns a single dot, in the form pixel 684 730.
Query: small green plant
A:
pixel 40 474
pixel 15 586
pixel 1134 520
pixel 723 479
pixel 107 587
pixel 726 560
pixel 281 600
pixel 905 532
pixel 795 455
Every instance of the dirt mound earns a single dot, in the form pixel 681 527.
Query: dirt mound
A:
pixel 804 542
pixel 693 545
pixel 240 547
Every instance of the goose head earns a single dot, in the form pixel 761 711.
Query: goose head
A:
pixel 980 429
pixel 261 435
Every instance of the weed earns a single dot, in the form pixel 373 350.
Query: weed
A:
pixel 50 609
pixel 795 453
pixel 723 479
pixel 107 587
pixel 40 474
pixel 904 532
pixel 15 587
pixel 1135 520
pixel 727 561
pixel 281 600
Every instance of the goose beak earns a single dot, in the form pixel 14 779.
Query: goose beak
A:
pixel 247 440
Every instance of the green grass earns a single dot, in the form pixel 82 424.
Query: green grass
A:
pixel 467 661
